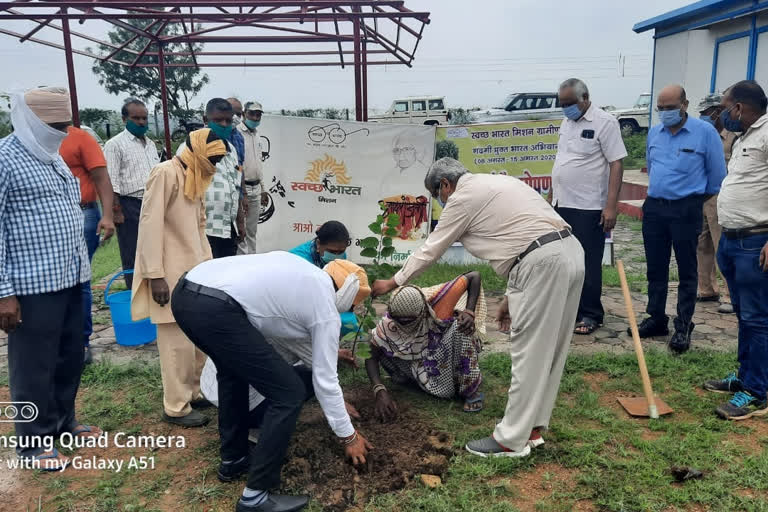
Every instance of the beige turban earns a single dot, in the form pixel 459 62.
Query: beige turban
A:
pixel 50 104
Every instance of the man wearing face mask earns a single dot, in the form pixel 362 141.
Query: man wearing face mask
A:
pixel 709 111
pixel 256 315
pixel 43 261
pixel 686 165
pixel 224 206
pixel 742 256
pixel 171 241
pixel 235 138
pixel 130 155
pixel 503 220
pixel 586 180
pixel 253 174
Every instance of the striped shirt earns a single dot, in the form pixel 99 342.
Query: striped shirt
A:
pixel 129 162
pixel 42 248
pixel 222 198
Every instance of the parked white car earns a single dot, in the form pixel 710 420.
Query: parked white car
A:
pixel 635 119
pixel 521 106
pixel 429 110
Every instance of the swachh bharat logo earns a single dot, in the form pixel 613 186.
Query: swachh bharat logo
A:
pixel 327 175
pixel 18 412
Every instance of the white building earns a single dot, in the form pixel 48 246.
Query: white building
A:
pixel 708 46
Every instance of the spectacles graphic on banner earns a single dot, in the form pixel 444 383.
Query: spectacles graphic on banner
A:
pixel 333 132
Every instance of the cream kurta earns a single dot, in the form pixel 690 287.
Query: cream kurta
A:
pixel 171 239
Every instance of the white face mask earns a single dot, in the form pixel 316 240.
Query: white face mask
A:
pixel 345 297
pixel 36 136
pixel 236 120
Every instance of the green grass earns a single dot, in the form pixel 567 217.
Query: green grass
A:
pixel 106 260
pixel 442 273
pixel 637 282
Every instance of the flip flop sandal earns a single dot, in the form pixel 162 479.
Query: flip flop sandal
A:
pixel 588 325
pixel 53 455
pixel 478 398
pixel 81 429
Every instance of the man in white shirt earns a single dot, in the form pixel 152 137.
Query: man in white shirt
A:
pixel 504 221
pixel 229 308
pixel 253 170
pixel 586 180
pixel 742 255
pixel 130 155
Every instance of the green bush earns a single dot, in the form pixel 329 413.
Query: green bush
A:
pixel 635 145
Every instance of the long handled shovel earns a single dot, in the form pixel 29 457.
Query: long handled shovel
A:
pixel 637 406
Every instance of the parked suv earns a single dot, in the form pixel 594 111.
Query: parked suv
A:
pixel 428 110
pixel 635 119
pixel 520 107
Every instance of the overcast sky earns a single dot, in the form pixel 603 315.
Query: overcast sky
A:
pixel 474 53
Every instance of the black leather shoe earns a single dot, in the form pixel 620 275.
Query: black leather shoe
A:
pixel 231 472
pixel 191 420
pixel 275 503
pixel 651 327
pixel 681 341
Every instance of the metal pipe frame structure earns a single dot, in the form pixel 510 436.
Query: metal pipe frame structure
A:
pixel 166 34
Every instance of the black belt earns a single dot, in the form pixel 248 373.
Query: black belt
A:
pixel 692 197
pixel 252 183
pixel 738 234
pixel 208 292
pixel 88 206
pixel 542 240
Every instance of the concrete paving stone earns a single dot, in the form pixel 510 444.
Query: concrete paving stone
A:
pixel 103 342
pixel 722 323
pixel 616 326
pixel 705 329
pixel 109 332
pixel 603 333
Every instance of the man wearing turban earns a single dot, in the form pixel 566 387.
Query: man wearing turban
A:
pixel 171 241
pixel 43 261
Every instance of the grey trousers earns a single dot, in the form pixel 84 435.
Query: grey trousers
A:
pixel 248 245
pixel 543 292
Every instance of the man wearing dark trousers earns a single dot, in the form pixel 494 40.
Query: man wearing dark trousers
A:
pixel 43 263
pixel 131 155
pixel 586 180
pixel 686 165
pixel 230 308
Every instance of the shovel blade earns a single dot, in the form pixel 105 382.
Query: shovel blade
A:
pixel 638 406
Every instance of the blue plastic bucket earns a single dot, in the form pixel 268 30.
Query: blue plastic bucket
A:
pixel 127 332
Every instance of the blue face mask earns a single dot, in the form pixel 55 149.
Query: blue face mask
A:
pixel 730 124
pixel 252 125
pixel 670 117
pixel 440 201
pixel 328 256
pixel 707 119
pixel 572 112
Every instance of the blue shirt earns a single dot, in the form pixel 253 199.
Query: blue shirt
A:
pixel 42 248
pixel 308 251
pixel 690 162
pixel 236 138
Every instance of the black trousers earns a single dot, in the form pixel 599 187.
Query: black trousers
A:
pixel 585 225
pixel 669 225
pixel 242 356
pixel 223 247
pixel 256 415
pixel 45 362
pixel 128 234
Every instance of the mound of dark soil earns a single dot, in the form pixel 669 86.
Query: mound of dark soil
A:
pixel 402 450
